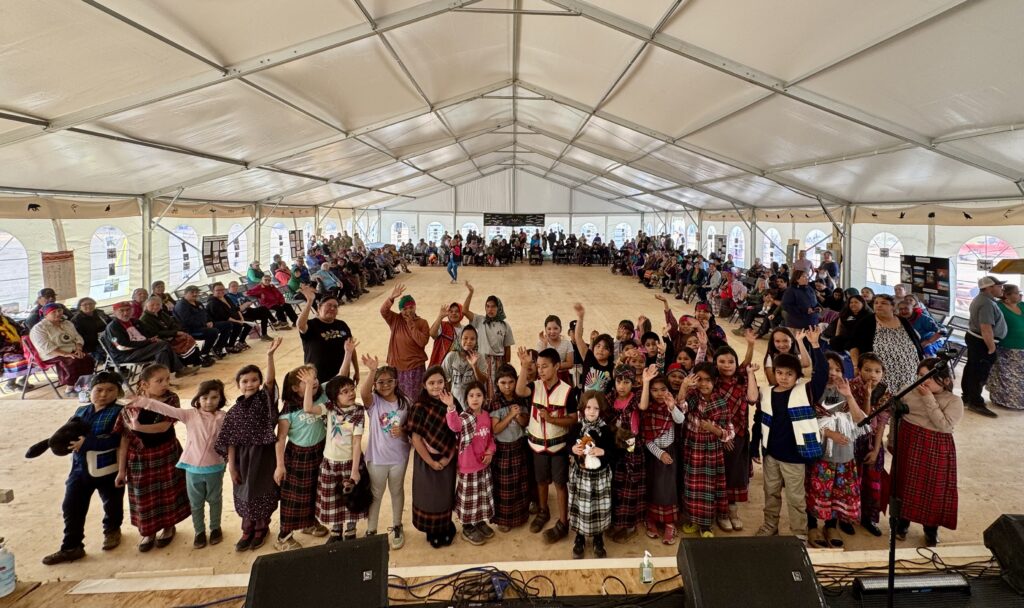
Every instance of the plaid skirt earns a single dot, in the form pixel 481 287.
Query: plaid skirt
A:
pixel 871 505
pixel 157 497
pixel 411 381
pixel 590 499
pixel 511 494
pixel 704 492
pixel 474 502
pixel 926 477
pixel 329 509
pixel 833 490
pixel 298 491
pixel 629 489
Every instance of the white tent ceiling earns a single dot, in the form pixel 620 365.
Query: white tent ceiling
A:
pixel 656 104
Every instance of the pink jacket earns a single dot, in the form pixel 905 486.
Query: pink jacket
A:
pixel 203 428
pixel 471 455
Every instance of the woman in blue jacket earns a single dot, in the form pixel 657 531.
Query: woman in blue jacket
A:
pixel 800 302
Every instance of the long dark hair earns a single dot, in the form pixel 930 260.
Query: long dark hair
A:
pixel 403 399
pixel 292 398
pixel 772 351
pixel 205 387
pixel 425 397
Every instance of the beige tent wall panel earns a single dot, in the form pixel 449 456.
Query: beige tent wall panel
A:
pixel 438 202
pixel 633 221
pixel 490 194
pixel 600 221
pixel 16 207
pixel 468 218
pixel 206 210
pixel 162 243
pixel 583 203
pixel 424 220
pixel 79 236
pixel 36 236
pixel 538 195
pixel 913 238
pixel 388 220
pixel 949 240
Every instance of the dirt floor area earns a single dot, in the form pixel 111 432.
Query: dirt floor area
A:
pixel 32 523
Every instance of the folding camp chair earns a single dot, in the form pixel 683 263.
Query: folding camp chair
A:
pixel 128 371
pixel 36 363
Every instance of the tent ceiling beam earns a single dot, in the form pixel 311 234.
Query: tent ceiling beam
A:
pixel 777 85
pixel 241 69
pixel 622 74
pixel 884 39
pixel 516 11
pixel 782 181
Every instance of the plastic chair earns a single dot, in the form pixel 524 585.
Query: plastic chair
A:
pixel 35 362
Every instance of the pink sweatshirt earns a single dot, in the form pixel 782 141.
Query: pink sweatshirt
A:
pixel 203 428
pixel 471 458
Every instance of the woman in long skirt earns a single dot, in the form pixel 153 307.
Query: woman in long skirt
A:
pixel 508 422
pixel 433 464
pixel 629 473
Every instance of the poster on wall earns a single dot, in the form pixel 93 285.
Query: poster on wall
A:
pixel 297 240
pixel 215 254
pixel 59 273
pixel 928 278
pixel 514 219
pixel 720 245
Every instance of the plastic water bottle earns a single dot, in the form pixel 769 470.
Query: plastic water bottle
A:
pixel 7 580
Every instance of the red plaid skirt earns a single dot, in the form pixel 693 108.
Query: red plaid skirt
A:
pixel 511 495
pixel 157 497
pixel 474 502
pixel 298 491
pixel 704 479
pixel 629 489
pixel 927 476
pixel 329 509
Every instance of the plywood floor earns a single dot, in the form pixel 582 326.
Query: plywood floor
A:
pixel 990 482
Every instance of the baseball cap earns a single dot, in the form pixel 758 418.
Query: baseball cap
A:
pixel 989 281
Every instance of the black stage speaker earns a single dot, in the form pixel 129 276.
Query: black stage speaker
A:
pixel 351 573
pixel 1005 539
pixel 750 572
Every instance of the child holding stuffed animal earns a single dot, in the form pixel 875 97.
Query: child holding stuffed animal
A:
pixel 203 466
pixel 474 501
pixel 147 461
pixel 248 439
pixel 93 469
pixel 590 476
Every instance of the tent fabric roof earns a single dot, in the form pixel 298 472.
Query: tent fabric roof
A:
pixel 658 105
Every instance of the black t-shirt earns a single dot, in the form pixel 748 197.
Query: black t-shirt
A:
pixel 323 346
pixel 596 377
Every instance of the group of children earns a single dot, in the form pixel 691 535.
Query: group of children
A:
pixel 641 440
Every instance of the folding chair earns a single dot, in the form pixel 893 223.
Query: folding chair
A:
pixel 129 371
pixel 956 339
pixel 36 363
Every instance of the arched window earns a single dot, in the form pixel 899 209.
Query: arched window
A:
pixel 183 256
pixel 622 233
pixel 328 225
pixel 14 292
pixel 399 233
pixel 469 227
pixel 556 227
pixel 435 230
pixel 975 260
pixel 662 229
pixel 238 249
pixel 649 229
pixel 709 241
pixel 279 242
pixel 737 246
pixel 372 234
pixel 691 237
pixel 494 232
pixel 771 248
pixel 816 239
pixel 588 230
pixel 678 233
pixel 330 229
pixel 307 234
pixel 883 262
pixel 108 264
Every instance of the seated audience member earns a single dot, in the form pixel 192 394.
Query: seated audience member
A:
pixel 90 323
pixel 228 320
pixel 58 343
pixel 46 296
pixel 254 274
pixel 139 297
pixel 156 321
pixel 159 288
pixel 129 345
pixel 196 322
pixel 270 300
pixel 13 354
pixel 299 266
pixel 249 307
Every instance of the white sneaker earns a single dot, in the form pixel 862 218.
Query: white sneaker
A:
pixel 734 518
pixel 724 523
pixel 765 530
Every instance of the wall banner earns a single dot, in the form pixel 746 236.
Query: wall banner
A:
pixel 59 273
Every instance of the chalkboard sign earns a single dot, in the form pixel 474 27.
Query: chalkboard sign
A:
pixel 514 219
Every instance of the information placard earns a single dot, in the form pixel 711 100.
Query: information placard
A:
pixel 215 254
pixel 928 278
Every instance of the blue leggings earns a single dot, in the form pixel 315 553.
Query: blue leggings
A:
pixel 453 268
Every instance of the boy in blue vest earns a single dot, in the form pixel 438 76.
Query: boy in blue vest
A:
pixel 790 438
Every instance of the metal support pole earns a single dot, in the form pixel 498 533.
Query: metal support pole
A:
pixel 753 240
pixel 931 236
pixel 146 204
pixel 845 280
pixel 455 209
pixel 513 205
pixel 700 231
pixel 257 240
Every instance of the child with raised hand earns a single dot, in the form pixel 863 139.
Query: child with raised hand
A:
pixel 629 474
pixel 203 466
pixel 598 359
pixel 590 476
pixel 433 467
pixel 833 487
pixel 300 449
pixel 342 455
pixel 474 502
pixel 658 434
pixel 147 459
pixel 93 469
pixel 248 440
pixel 387 453
pixel 734 385
pixel 509 417
pixel 463 365
pixel 871 392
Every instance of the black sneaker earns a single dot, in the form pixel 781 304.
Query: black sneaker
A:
pixel 485 529
pixel 63 556
pixel 599 551
pixel 556 532
pixel 871 527
pixel 257 540
pixel 200 541
pixel 472 535
pixel 216 536
pixel 983 410
pixel 578 546
pixel 847 528
pixel 207 361
pixel 243 543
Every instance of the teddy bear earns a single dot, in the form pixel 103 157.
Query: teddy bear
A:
pixel 589 461
pixel 61 438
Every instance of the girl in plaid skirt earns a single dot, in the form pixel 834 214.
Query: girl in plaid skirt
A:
pixel 300 449
pixel 590 476
pixel 871 393
pixel 508 423
pixel 433 464
pixel 147 459
pixel 474 503
pixel 658 435
pixel 629 474
pixel 734 387
pixel 339 468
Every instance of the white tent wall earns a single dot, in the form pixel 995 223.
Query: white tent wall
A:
pixel 94 276
pixel 33 236
pixel 491 194
pixel 913 240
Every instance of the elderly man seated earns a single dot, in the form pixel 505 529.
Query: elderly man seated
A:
pixel 46 296
pixel 129 345
pixel 196 323
pixel 59 343
pixel 156 321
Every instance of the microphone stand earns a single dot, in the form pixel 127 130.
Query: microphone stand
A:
pixel 898 409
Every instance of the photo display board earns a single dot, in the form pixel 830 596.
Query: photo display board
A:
pixel 215 254
pixel 928 278
pixel 514 219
